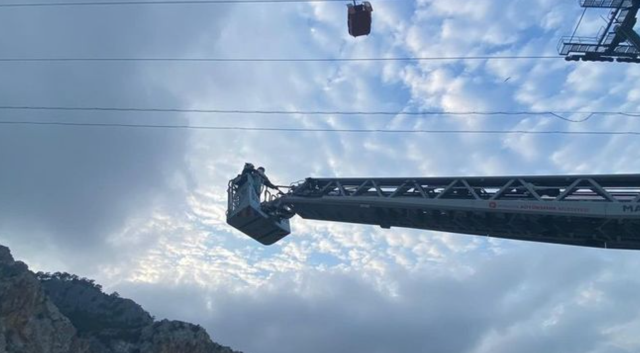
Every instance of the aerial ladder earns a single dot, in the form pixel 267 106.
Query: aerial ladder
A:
pixel 617 40
pixel 600 211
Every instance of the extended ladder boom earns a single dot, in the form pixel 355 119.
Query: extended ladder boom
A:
pixel 595 211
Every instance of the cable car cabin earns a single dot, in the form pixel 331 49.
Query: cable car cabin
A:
pixel 359 19
pixel 246 214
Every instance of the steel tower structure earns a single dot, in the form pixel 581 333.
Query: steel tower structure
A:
pixel 615 41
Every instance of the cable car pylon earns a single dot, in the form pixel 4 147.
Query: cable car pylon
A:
pixel 616 41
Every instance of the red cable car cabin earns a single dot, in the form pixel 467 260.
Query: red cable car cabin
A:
pixel 359 19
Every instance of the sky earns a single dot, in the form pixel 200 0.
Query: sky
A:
pixel 142 211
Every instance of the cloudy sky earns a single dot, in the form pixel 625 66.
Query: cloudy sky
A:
pixel 142 210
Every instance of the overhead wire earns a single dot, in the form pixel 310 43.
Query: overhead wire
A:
pixel 558 115
pixel 254 60
pixel 579 22
pixel 299 130
pixel 236 60
pixel 286 60
pixel 159 2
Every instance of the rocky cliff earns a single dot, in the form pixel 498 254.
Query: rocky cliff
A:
pixel 61 313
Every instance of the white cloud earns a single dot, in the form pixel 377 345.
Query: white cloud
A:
pixel 340 287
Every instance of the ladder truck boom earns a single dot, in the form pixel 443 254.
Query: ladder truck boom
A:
pixel 588 210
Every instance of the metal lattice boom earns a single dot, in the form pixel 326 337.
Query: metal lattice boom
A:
pixel 595 211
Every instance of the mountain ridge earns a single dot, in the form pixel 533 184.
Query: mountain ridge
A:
pixel 63 313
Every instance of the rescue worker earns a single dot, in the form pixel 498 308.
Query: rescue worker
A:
pixel 247 170
pixel 260 179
